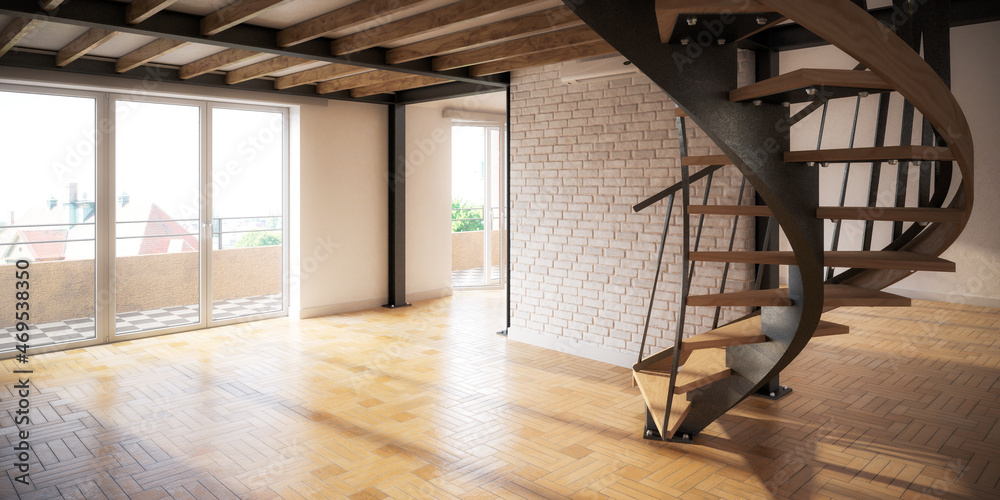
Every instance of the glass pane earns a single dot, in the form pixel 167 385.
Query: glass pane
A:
pixel 468 205
pixel 157 179
pixel 496 181
pixel 247 215
pixel 47 213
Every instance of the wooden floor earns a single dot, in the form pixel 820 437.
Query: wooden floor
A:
pixel 428 401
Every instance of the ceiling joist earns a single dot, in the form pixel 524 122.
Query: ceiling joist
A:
pixel 214 62
pixel 423 23
pixel 410 82
pixel 264 68
pixel 531 24
pixel 346 17
pixel 362 80
pixel 147 53
pixel 140 10
pixel 235 13
pixel 17 29
pixel 520 47
pixel 320 74
pixel 49 5
pixel 85 43
pixel 564 54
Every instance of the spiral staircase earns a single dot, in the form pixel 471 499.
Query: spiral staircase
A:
pixel 689 48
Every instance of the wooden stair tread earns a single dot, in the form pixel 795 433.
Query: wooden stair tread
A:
pixel 908 261
pixel 702 368
pixel 833 296
pixel 846 296
pixel 654 389
pixel 830 83
pixel 746 331
pixel 901 214
pixel 750 298
pixel 699 161
pixel 751 210
pixel 902 153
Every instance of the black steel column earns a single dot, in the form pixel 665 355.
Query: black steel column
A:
pixel 396 177
pixel 506 192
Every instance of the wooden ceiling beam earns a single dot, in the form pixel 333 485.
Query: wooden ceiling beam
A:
pixel 531 24
pixel 564 54
pixel 320 74
pixel 142 55
pixel 264 68
pixel 235 13
pixel 85 43
pixel 346 17
pixel 140 10
pixel 521 47
pixel 49 5
pixel 14 32
pixel 423 23
pixel 362 80
pixel 214 62
pixel 410 82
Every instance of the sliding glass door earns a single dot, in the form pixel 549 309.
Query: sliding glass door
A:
pixel 123 217
pixel 248 165
pixel 158 211
pixel 49 148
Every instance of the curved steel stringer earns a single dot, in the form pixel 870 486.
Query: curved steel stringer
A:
pixel 698 78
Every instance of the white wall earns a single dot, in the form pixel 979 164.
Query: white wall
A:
pixel 974 78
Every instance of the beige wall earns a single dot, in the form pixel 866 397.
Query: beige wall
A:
pixel 342 201
pixel 428 204
pixel 974 79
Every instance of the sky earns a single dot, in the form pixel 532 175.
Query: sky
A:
pixel 47 142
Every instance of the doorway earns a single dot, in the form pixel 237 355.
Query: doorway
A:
pixel 478 213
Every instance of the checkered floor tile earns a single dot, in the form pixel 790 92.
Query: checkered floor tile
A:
pixel 474 277
pixel 73 330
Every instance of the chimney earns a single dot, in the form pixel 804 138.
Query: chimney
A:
pixel 71 205
pixel 12 217
pixel 123 198
pixel 53 202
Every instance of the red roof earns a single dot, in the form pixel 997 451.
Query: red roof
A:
pixel 41 252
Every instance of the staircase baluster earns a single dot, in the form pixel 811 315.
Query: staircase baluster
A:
pixel 903 170
pixel 656 277
pixel 701 224
pixel 685 262
pixel 732 241
pixel 873 181
pixel 843 188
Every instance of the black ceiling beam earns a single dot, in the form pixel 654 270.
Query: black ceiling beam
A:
pixel 150 76
pixel 443 91
pixel 110 15
pixel 794 37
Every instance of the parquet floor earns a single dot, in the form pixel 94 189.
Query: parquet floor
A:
pixel 427 402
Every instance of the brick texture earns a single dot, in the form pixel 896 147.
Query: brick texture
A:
pixel 583 262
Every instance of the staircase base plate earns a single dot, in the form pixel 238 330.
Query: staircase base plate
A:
pixel 654 435
pixel 766 393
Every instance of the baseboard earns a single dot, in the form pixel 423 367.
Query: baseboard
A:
pixel 439 293
pixel 362 305
pixel 570 346
pixel 345 307
pixel 952 298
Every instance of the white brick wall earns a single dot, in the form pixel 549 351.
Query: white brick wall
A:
pixel 582 262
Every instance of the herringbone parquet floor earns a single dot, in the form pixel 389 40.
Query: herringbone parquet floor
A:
pixel 427 402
